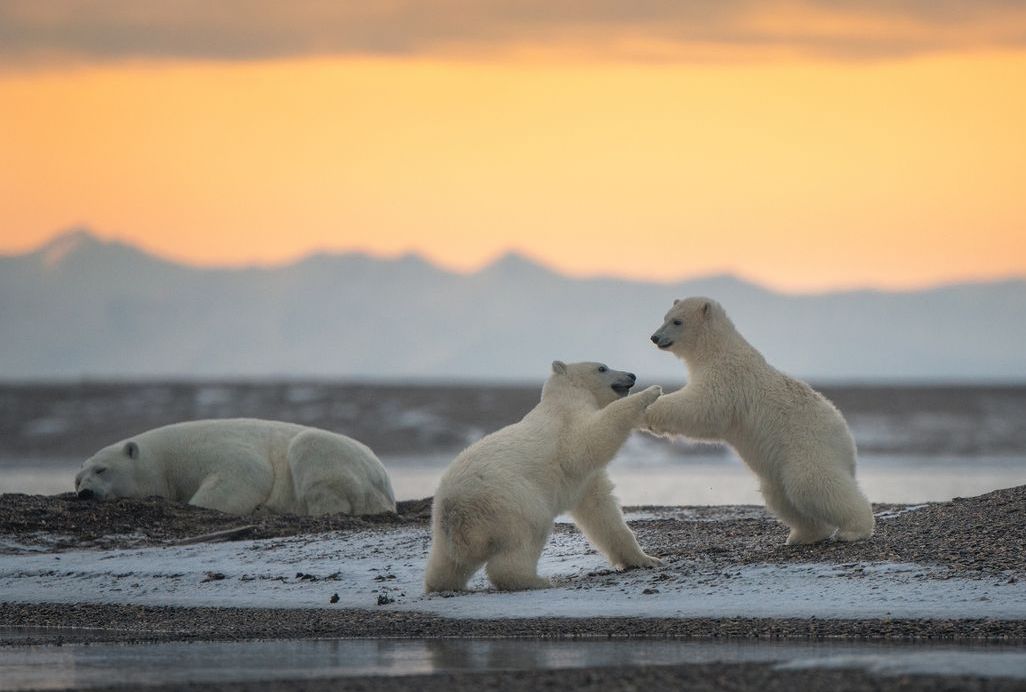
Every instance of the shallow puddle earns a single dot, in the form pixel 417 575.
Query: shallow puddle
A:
pixel 89 665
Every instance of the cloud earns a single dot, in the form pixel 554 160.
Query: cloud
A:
pixel 67 31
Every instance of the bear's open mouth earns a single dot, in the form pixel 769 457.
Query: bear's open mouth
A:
pixel 622 389
pixel 665 344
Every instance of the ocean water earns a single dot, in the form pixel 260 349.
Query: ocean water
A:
pixel 177 663
pixel 917 444
pixel 699 480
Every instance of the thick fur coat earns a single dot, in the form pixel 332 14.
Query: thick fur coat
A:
pixel 496 503
pixel 795 441
pixel 238 465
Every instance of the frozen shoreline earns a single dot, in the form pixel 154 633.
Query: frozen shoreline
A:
pixel 960 560
pixel 367 566
pixel 74 572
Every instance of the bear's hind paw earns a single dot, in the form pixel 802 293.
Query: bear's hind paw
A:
pixel 643 562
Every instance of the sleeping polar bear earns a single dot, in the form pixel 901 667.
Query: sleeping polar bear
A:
pixel 240 464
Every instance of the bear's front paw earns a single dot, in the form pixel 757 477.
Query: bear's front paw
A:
pixel 650 394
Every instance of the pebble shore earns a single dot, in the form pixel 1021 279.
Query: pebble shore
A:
pixel 975 538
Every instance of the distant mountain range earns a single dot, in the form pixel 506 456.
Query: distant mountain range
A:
pixel 82 307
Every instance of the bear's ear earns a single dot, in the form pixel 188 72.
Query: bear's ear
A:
pixel 676 300
pixel 705 308
pixel 131 450
pixel 559 367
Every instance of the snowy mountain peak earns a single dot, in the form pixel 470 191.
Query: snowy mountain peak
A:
pixel 62 246
pixel 515 264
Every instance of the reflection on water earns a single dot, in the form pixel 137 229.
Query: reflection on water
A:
pixel 77 665
pixel 652 480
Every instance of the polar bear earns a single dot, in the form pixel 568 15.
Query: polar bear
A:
pixel 497 501
pixel 238 465
pixel 794 440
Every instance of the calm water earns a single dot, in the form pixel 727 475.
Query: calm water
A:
pixel 709 480
pixel 917 443
pixel 78 665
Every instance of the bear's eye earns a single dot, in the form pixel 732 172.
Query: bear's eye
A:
pixel 677 323
pixel 101 471
pixel 603 368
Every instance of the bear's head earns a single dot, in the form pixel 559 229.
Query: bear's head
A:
pixel 691 325
pixel 599 380
pixel 114 471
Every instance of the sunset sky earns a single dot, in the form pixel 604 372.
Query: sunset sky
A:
pixel 805 145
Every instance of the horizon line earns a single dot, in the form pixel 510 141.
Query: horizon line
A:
pixel 85 230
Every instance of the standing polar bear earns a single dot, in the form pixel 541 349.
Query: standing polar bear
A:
pixel 238 465
pixel 497 501
pixel 794 440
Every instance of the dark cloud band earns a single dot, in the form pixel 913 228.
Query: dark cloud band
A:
pixel 97 30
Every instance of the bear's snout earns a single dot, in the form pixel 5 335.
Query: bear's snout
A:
pixel 86 494
pixel 661 341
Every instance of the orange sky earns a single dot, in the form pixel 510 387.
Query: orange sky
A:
pixel 803 172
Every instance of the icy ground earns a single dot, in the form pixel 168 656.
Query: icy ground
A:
pixel 383 568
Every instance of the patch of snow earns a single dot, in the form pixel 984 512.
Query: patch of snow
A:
pixel 891 514
pixel 367 566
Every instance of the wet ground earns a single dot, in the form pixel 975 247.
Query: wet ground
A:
pixel 176 663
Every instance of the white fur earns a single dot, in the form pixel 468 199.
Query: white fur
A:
pixel 794 440
pixel 497 501
pixel 238 465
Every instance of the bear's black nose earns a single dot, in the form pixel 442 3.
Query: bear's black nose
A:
pixel 655 338
pixel 632 377
pixel 86 494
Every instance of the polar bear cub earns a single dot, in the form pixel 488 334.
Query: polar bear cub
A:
pixel 794 440
pixel 497 501
pixel 240 464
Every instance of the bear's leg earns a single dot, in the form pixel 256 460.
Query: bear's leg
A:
pixel 687 412
pixel 847 506
pixel 330 475
pixel 228 497
pixel 803 534
pixel 832 497
pixel 515 567
pixel 804 529
pixel 326 500
pixel 599 518
pixel 609 427
pixel 444 573
pixel 859 531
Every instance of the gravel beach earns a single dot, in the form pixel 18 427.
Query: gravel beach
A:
pixel 978 538
pixel 984 534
